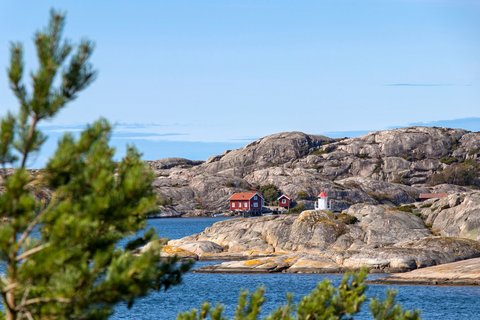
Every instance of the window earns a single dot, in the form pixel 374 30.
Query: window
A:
pixel 245 205
pixel 255 198
pixel 233 204
pixel 284 200
pixel 255 204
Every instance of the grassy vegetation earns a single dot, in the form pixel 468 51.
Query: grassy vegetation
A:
pixel 448 160
pixel 408 208
pixel 466 173
pixel 405 208
pixel 346 218
pixel 319 152
pixel 297 209
pixel 163 200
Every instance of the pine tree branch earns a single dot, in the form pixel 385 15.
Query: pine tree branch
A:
pixel 25 295
pixel 38 300
pixel 29 229
pixel 28 315
pixel 8 299
pixel 9 286
pixel 28 143
pixel 30 252
pixel 7 302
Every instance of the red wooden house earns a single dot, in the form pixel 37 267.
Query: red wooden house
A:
pixel 284 201
pixel 246 201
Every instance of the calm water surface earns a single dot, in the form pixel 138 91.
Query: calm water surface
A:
pixel 435 302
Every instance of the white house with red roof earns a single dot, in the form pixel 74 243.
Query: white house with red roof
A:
pixel 251 201
pixel 322 201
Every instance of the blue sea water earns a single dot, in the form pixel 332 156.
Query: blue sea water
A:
pixel 435 302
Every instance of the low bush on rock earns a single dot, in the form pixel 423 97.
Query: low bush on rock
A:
pixel 297 209
pixel 270 193
pixel 405 208
pixel 463 174
pixel 448 160
pixel 346 218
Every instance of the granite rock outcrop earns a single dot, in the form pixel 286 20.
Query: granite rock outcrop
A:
pixel 385 167
pixel 379 237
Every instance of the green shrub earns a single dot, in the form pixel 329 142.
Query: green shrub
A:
pixel 297 209
pixel 346 218
pixel 463 174
pixel 163 200
pixel 448 160
pixel 270 193
pixel 303 195
pixel 331 148
pixel 319 151
pixel 405 208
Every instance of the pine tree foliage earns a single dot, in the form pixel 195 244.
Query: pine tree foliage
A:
pixel 62 257
pixel 325 302
pixel 389 310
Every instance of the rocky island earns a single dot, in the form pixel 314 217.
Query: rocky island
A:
pixel 387 167
pixel 375 182
pixel 379 237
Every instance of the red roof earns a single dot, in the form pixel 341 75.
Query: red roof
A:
pixel 322 195
pixel 432 195
pixel 244 195
pixel 284 196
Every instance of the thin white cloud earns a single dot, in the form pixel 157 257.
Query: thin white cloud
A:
pixel 420 85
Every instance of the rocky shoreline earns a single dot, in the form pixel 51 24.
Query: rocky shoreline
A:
pixel 460 273
pixel 374 183
pixel 381 238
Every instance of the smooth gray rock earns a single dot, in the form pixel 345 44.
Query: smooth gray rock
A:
pixel 458 215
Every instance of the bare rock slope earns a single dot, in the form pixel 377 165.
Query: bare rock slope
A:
pixel 390 166
pixel 457 215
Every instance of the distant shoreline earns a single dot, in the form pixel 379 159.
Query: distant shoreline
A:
pixel 429 282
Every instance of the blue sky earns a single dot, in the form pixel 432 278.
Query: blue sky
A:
pixel 231 71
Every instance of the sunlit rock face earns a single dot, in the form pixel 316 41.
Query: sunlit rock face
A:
pixel 389 167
